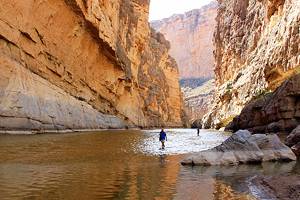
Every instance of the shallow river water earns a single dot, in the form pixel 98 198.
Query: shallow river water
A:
pixel 122 165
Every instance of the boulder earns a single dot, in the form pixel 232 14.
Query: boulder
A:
pixel 293 140
pixel 242 147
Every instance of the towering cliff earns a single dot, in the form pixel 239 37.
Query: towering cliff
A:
pixel 256 49
pixel 84 64
pixel 191 38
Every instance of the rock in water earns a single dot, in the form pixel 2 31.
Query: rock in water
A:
pixel 242 147
pixel 278 186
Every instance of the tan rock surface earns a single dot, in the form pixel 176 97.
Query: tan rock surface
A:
pixel 190 36
pixel 256 49
pixel 30 102
pixel 98 53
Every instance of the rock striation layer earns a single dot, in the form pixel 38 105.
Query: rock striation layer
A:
pixel 256 49
pixel 242 147
pixel 84 64
pixel 190 36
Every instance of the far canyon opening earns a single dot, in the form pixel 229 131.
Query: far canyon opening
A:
pixel 191 44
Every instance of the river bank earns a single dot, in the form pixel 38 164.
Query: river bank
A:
pixel 34 132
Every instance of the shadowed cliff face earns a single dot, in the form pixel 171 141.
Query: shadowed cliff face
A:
pixel 191 39
pixel 256 49
pixel 101 56
pixel 276 112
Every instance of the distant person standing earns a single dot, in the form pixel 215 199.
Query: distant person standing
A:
pixel 162 138
pixel 198 131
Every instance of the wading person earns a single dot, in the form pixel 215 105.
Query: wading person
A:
pixel 162 138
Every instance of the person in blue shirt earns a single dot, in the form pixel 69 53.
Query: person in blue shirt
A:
pixel 162 138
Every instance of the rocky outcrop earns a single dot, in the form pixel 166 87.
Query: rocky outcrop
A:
pixel 293 140
pixel 277 112
pixel 242 147
pixel 256 49
pixel 197 100
pixel 190 36
pixel 84 64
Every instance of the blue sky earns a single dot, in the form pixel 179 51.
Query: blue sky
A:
pixel 165 8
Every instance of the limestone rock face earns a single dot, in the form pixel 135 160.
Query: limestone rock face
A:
pixel 256 49
pixel 97 62
pixel 26 105
pixel 242 147
pixel 197 100
pixel 276 112
pixel 190 36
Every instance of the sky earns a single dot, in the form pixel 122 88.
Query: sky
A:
pixel 165 8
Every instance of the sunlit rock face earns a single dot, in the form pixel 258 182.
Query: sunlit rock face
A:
pixel 256 49
pixel 191 39
pixel 100 57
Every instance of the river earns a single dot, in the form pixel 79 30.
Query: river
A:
pixel 122 165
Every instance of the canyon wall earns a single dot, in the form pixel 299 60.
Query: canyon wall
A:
pixel 256 49
pixel 191 39
pixel 84 64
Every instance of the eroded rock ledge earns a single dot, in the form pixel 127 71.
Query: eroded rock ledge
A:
pixel 86 64
pixel 276 112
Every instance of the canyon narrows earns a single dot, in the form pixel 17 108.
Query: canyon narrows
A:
pixel 84 64
pixel 191 38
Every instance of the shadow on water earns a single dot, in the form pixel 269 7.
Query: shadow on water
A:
pixel 120 165
pixel 232 181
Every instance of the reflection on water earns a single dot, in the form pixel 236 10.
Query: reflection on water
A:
pixel 119 165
